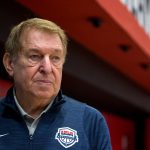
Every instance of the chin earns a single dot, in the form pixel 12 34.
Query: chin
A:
pixel 45 92
pixel 45 95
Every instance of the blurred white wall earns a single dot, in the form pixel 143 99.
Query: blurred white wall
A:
pixel 141 10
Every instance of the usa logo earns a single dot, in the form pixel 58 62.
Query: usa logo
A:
pixel 66 136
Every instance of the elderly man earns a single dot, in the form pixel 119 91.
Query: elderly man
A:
pixel 35 114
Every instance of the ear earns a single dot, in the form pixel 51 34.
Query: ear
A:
pixel 8 64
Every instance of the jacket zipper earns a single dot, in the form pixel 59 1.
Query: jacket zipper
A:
pixel 31 138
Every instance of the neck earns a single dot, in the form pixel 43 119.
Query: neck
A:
pixel 33 109
pixel 33 105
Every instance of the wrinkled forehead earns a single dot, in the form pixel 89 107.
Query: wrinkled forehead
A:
pixel 37 39
pixel 30 29
pixel 30 32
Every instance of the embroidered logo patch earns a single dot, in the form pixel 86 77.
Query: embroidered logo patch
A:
pixel 66 136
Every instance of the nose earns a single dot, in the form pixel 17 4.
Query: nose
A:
pixel 45 65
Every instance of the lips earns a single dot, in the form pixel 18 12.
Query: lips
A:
pixel 44 81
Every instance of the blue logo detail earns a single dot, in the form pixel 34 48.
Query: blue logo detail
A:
pixel 66 136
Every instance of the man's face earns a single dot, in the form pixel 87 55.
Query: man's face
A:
pixel 37 71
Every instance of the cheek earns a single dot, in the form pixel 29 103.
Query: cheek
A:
pixel 59 74
pixel 23 74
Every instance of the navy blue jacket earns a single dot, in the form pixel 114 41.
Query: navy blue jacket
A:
pixel 68 124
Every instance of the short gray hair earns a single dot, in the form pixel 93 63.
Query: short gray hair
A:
pixel 13 44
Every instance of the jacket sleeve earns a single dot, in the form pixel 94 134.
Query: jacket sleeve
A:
pixel 96 129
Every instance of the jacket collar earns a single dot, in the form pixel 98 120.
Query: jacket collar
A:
pixel 10 102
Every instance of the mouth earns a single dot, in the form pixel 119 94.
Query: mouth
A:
pixel 44 81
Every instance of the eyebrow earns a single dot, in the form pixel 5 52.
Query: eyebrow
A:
pixel 37 50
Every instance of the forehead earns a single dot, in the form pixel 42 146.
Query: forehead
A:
pixel 36 38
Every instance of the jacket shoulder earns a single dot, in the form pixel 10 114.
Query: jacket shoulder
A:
pixel 88 110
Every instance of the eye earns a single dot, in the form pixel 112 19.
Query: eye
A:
pixel 56 58
pixel 35 57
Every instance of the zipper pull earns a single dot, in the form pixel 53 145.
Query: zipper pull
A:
pixel 31 137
